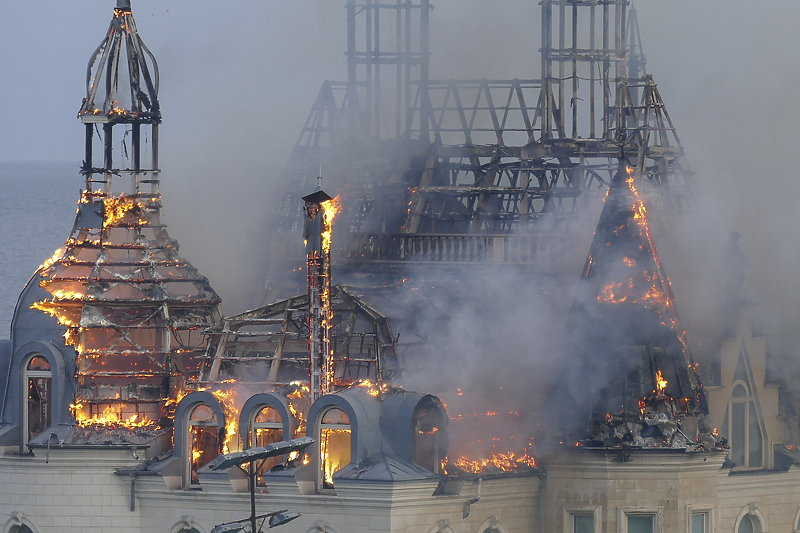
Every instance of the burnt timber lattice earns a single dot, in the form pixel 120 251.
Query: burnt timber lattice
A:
pixel 479 171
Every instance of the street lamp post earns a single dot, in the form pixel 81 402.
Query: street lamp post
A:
pixel 251 457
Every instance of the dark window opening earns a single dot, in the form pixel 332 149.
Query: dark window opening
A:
pixel 39 383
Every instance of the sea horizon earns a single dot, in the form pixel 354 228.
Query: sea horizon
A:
pixel 37 210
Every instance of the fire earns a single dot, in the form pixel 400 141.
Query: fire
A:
pixel 56 256
pixel 117 208
pixel 228 400
pixel 608 293
pixel 661 383
pixel 330 209
pixel 61 294
pixel 629 262
pixel 507 462
pixel 110 416
pixel 375 389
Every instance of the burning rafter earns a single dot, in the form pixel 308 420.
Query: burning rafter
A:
pixel 132 308
pixel 272 342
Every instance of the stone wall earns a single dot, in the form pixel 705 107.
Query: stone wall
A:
pixel 76 491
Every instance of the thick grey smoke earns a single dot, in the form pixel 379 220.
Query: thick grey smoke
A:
pixel 238 80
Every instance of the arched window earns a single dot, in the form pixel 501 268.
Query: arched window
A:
pixel 427 447
pixel 19 523
pixel 749 524
pixel 267 429
pixel 743 428
pixel 203 439
pixel 187 525
pixel 38 382
pixel 334 445
pixel 492 525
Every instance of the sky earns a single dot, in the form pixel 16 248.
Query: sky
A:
pixel 238 80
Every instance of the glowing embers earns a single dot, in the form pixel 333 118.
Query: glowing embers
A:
pixel 334 445
pixel 487 441
pixel 203 439
pixel 505 462
pixel 299 396
pixel 132 309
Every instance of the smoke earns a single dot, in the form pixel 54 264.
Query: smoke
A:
pixel 238 80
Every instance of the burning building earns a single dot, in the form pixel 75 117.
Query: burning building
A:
pixel 126 392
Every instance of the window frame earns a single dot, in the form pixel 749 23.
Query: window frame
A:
pixel 595 510
pixel 623 512
pixel 752 510
pixel 27 375
pixel 265 465
pixel 189 425
pixel 796 523
pixel 747 401
pixel 320 426
pixel 706 509
pixel 255 426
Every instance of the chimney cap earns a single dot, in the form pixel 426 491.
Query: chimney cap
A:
pixel 317 197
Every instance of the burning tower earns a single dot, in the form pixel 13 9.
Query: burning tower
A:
pixel 625 353
pixel 127 310
pixel 317 237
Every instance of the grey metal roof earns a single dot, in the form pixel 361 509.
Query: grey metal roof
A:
pixel 384 467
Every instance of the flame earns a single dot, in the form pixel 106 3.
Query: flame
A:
pixel 110 416
pixel 608 294
pixel 661 383
pixel 629 262
pixel 228 400
pixel 117 208
pixel 507 462
pixel 56 256
pixel 375 389
pixel 330 209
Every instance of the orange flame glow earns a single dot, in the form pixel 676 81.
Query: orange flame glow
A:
pixel 661 383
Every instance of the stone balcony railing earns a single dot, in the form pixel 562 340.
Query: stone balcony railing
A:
pixel 553 250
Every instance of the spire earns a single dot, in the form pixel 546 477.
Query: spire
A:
pixel 625 345
pixel 131 307
pixel 122 76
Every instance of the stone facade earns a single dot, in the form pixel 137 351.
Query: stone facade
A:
pixel 65 492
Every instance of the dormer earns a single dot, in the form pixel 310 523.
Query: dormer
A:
pixel 744 405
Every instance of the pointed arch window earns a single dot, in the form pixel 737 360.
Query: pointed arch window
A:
pixel 749 524
pixel 742 423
